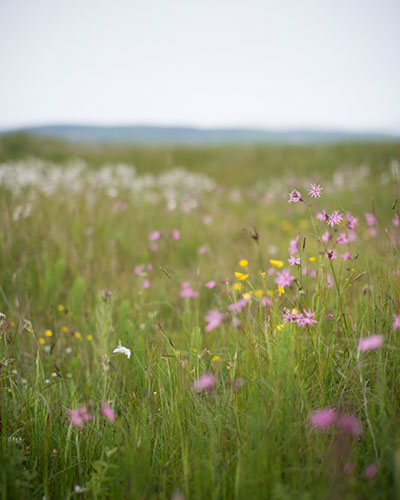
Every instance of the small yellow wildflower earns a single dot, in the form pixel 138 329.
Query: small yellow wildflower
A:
pixel 215 358
pixel 155 393
pixel 89 337
pixel 78 335
pixel 9 390
pixel 60 307
pixel 258 293
pixel 243 263
pixel 41 341
pixel 64 329
pixel 312 259
pixel 48 333
pixel 241 276
pixel 276 263
pixel 54 451
pixel 281 290
pixel 263 274
pixel 295 311
pixel 237 286
pixel 246 296
pixel 280 327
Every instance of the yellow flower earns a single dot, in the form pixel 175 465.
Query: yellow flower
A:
pixel 48 333
pixel 89 337
pixel 243 263
pixel 280 327
pixel 244 277
pixel 281 290
pixel 246 296
pixel 214 358
pixel 312 259
pixel 41 341
pixel 258 293
pixel 78 335
pixel 295 311
pixel 237 286
pixel 60 307
pixel 263 274
pixel 64 329
pixel 276 263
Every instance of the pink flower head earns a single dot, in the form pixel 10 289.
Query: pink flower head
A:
pixel 325 236
pixel 315 191
pixel 146 284
pixel 396 221
pixel 352 222
pixel 322 215
pixel 153 246
pixel 149 267
pixel 396 322
pixel 205 383
pixel 349 424
pixel 176 235
pixel 342 239
pixel 334 218
pixel 239 305
pixel 372 232
pixel 284 278
pixel 236 323
pixel 331 254
pixel 295 196
pixel 139 269
pixel 210 284
pixel 75 418
pixel 294 260
pixel 202 250
pixel 214 318
pixel 107 412
pixel 84 414
pixel 371 471
pixel 154 236
pixel 370 219
pixel 322 419
pixel 371 342
pixel 330 317
pixel 309 317
pixel 346 256
pixel 187 292
pixel 293 246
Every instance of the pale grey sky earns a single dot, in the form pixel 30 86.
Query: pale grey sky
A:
pixel 273 64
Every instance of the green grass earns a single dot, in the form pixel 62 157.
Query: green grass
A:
pixel 76 243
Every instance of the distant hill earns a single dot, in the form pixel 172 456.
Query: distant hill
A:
pixel 171 135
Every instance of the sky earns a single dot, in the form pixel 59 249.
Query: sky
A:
pixel 321 64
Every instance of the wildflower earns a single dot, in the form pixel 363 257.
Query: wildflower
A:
pixel 331 254
pixel 239 305
pixel 107 412
pixel 89 338
pixel 334 218
pixel 60 307
pixel 293 246
pixel 258 293
pixel 315 191
pixel 78 489
pixel 205 383
pixel 210 284
pixel 281 290
pixel 48 333
pixel 322 215
pixel 78 335
pixel 243 263
pixel 176 235
pixel 241 276
pixel 154 236
pixel 246 295
pixel 309 317
pixel 312 259
pixel 277 263
pixel 325 236
pixel 64 329
pixel 321 419
pixel 284 278
pixel 202 250
pixel 139 269
pixel 294 260
pixel 75 418
pixel 352 222
pixel 295 196
pixel 41 341
pixel 342 239
pixel 187 292
pixel 329 316
pixel 215 358
pixel 349 424
pixel 236 323
pixel 346 256
pixel 214 318
pixel 237 286
pixel 396 221
pixel 371 471
pixel 146 284
pixel 280 327
pixel 370 219
pixel 396 322
pixel 123 350
pixel 372 342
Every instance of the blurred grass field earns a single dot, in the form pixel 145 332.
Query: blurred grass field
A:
pixel 96 245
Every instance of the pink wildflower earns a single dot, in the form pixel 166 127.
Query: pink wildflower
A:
pixel 214 318
pixel 309 317
pixel 342 239
pixel 372 232
pixel 107 412
pixel 334 218
pixel 295 196
pixel 153 246
pixel 294 260
pixel 396 221
pixel 236 323
pixel 154 236
pixel 205 383
pixel 210 284
pixel 149 267
pixel 346 256
pixel 75 418
pixel 372 342
pixel 352 222
pixel 331 254
pixel 293 246
pixel 315 191
pixel 187 292
pixel 322 215
pixel 325 236
pixel 284 278
pixel 176 235
pixel 396 322
pixel 322 419
pixel 370 219
pixel 238 305
pixel 202 250
pixel 146 284
pixel 371 471
pixel 349 424
pixel 139 269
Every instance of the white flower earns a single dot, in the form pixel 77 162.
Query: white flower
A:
pixel 123 350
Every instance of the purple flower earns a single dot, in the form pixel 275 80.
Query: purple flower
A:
pixel 205 383
pixel 349 424
pixel 370 219
pixel 75 418
pixel 210 284
pixel 325 236
pixel 322 419
pixel 371 471
pixel 139 269
pixel 334 218
pixel 315 191
pixel 202 250
pixel 372 342
pixel 396 322
pixel 146 284
pixel 187 291
pixel 239 305
pixel 176 234
pixel 214 318
pixel 295 196
pixel 352 222
pixel 322 215
pixel 309 317
pixel 154 235
pixel 294 260
pixel 107 412
pixel 346 256
pixel 293 246
pixel 342 239
pixel 331 254
pixel 284 278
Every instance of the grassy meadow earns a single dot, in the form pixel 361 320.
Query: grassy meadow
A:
pixel 156 342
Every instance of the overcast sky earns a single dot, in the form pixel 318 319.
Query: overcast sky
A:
pixel 272 64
